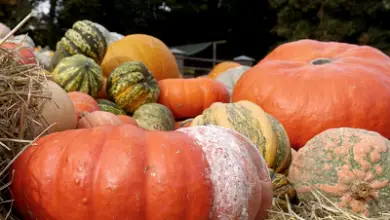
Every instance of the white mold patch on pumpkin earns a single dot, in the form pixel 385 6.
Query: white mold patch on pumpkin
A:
pixel 237 172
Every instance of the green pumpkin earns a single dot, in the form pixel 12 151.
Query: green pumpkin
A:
pixel 79 73
pixel 154 116
pixel 281 188
pixel 131 85
pixel 83 38
pixel 283 155
pixel 108 106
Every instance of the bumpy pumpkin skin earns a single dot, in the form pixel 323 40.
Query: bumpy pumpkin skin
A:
pixel 308 98
pixel 125 172
pixel 108 106
pixel 154 116
pixel 249 120
pixel 350 166
pixel 79 73
pixel 131 85
pixel 187 98
pixel 83 38
pixel 145 48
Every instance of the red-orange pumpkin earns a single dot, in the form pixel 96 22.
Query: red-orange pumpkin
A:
pixel 83 103
pixel 127 119
pixel 310 86
pixel 23 54
pixel 98 118
pixel 187 98
pixel 125 172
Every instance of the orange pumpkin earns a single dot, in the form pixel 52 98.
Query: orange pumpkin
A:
pixel 147 49
pixel 187 98
pixel 127 119
pixel 125 172
pixel 82 103
pixel 222 67
pixel 98 118
pixel 23 54
pixel 310 86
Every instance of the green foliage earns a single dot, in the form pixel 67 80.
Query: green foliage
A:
pixel 353 21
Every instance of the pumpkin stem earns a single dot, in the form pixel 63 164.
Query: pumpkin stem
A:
pixel 321 61
pixel 360 190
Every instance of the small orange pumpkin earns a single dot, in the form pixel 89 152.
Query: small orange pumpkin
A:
pixel 222 67
pixel 83 102
pixel 97 119
pixel 187 98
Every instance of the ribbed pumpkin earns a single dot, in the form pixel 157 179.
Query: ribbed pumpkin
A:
pixel 311 86
pixel 83 38
pixel 348 165
pixel 108 106
pixel 131 85
pixel 154 116
pixel 222 67
pixel 147 49
pixel 283 156
pixel 79 73
pixel 282 187
pixel 251 121
pixel 124 172
pixel 187 98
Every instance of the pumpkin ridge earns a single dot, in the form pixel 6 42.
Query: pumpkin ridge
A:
pixel 87 31
pixel 69 46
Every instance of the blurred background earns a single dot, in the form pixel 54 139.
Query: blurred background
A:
pixel 240 30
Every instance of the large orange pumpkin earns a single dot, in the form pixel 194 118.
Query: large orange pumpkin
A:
pixel 147 49
pixel 310 86
pixel 187 98
pixel 125 172
pixel 222 67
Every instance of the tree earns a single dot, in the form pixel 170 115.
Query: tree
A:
pixel 353 21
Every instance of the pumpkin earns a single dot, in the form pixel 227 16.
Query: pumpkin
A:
pixel 82 103
pixel 79 73
pixel 282 188
pixel 222 67
pixel 98 118
pixel 230 77
pixel 127 119
pixel 108 106
pixel 83 38
pixel 147 49
pixel 21 53
pixel 125 172
pixel 59 109
pixel 284 156
pixel 103 92
pixel 154 116
pixel 131 85
pixel 348 165
pixel 184 123
pixel 251 121
pixel 187 98
pixel 310 86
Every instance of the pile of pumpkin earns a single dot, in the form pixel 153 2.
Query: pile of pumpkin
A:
pixel 137 141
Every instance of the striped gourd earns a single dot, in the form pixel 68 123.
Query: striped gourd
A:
pixel 108 106
pixel 248 119
pixel 281 188
pixel 79 73
pixel 83 38
pixel 131 85
pixel 154 116
pixel 283 154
